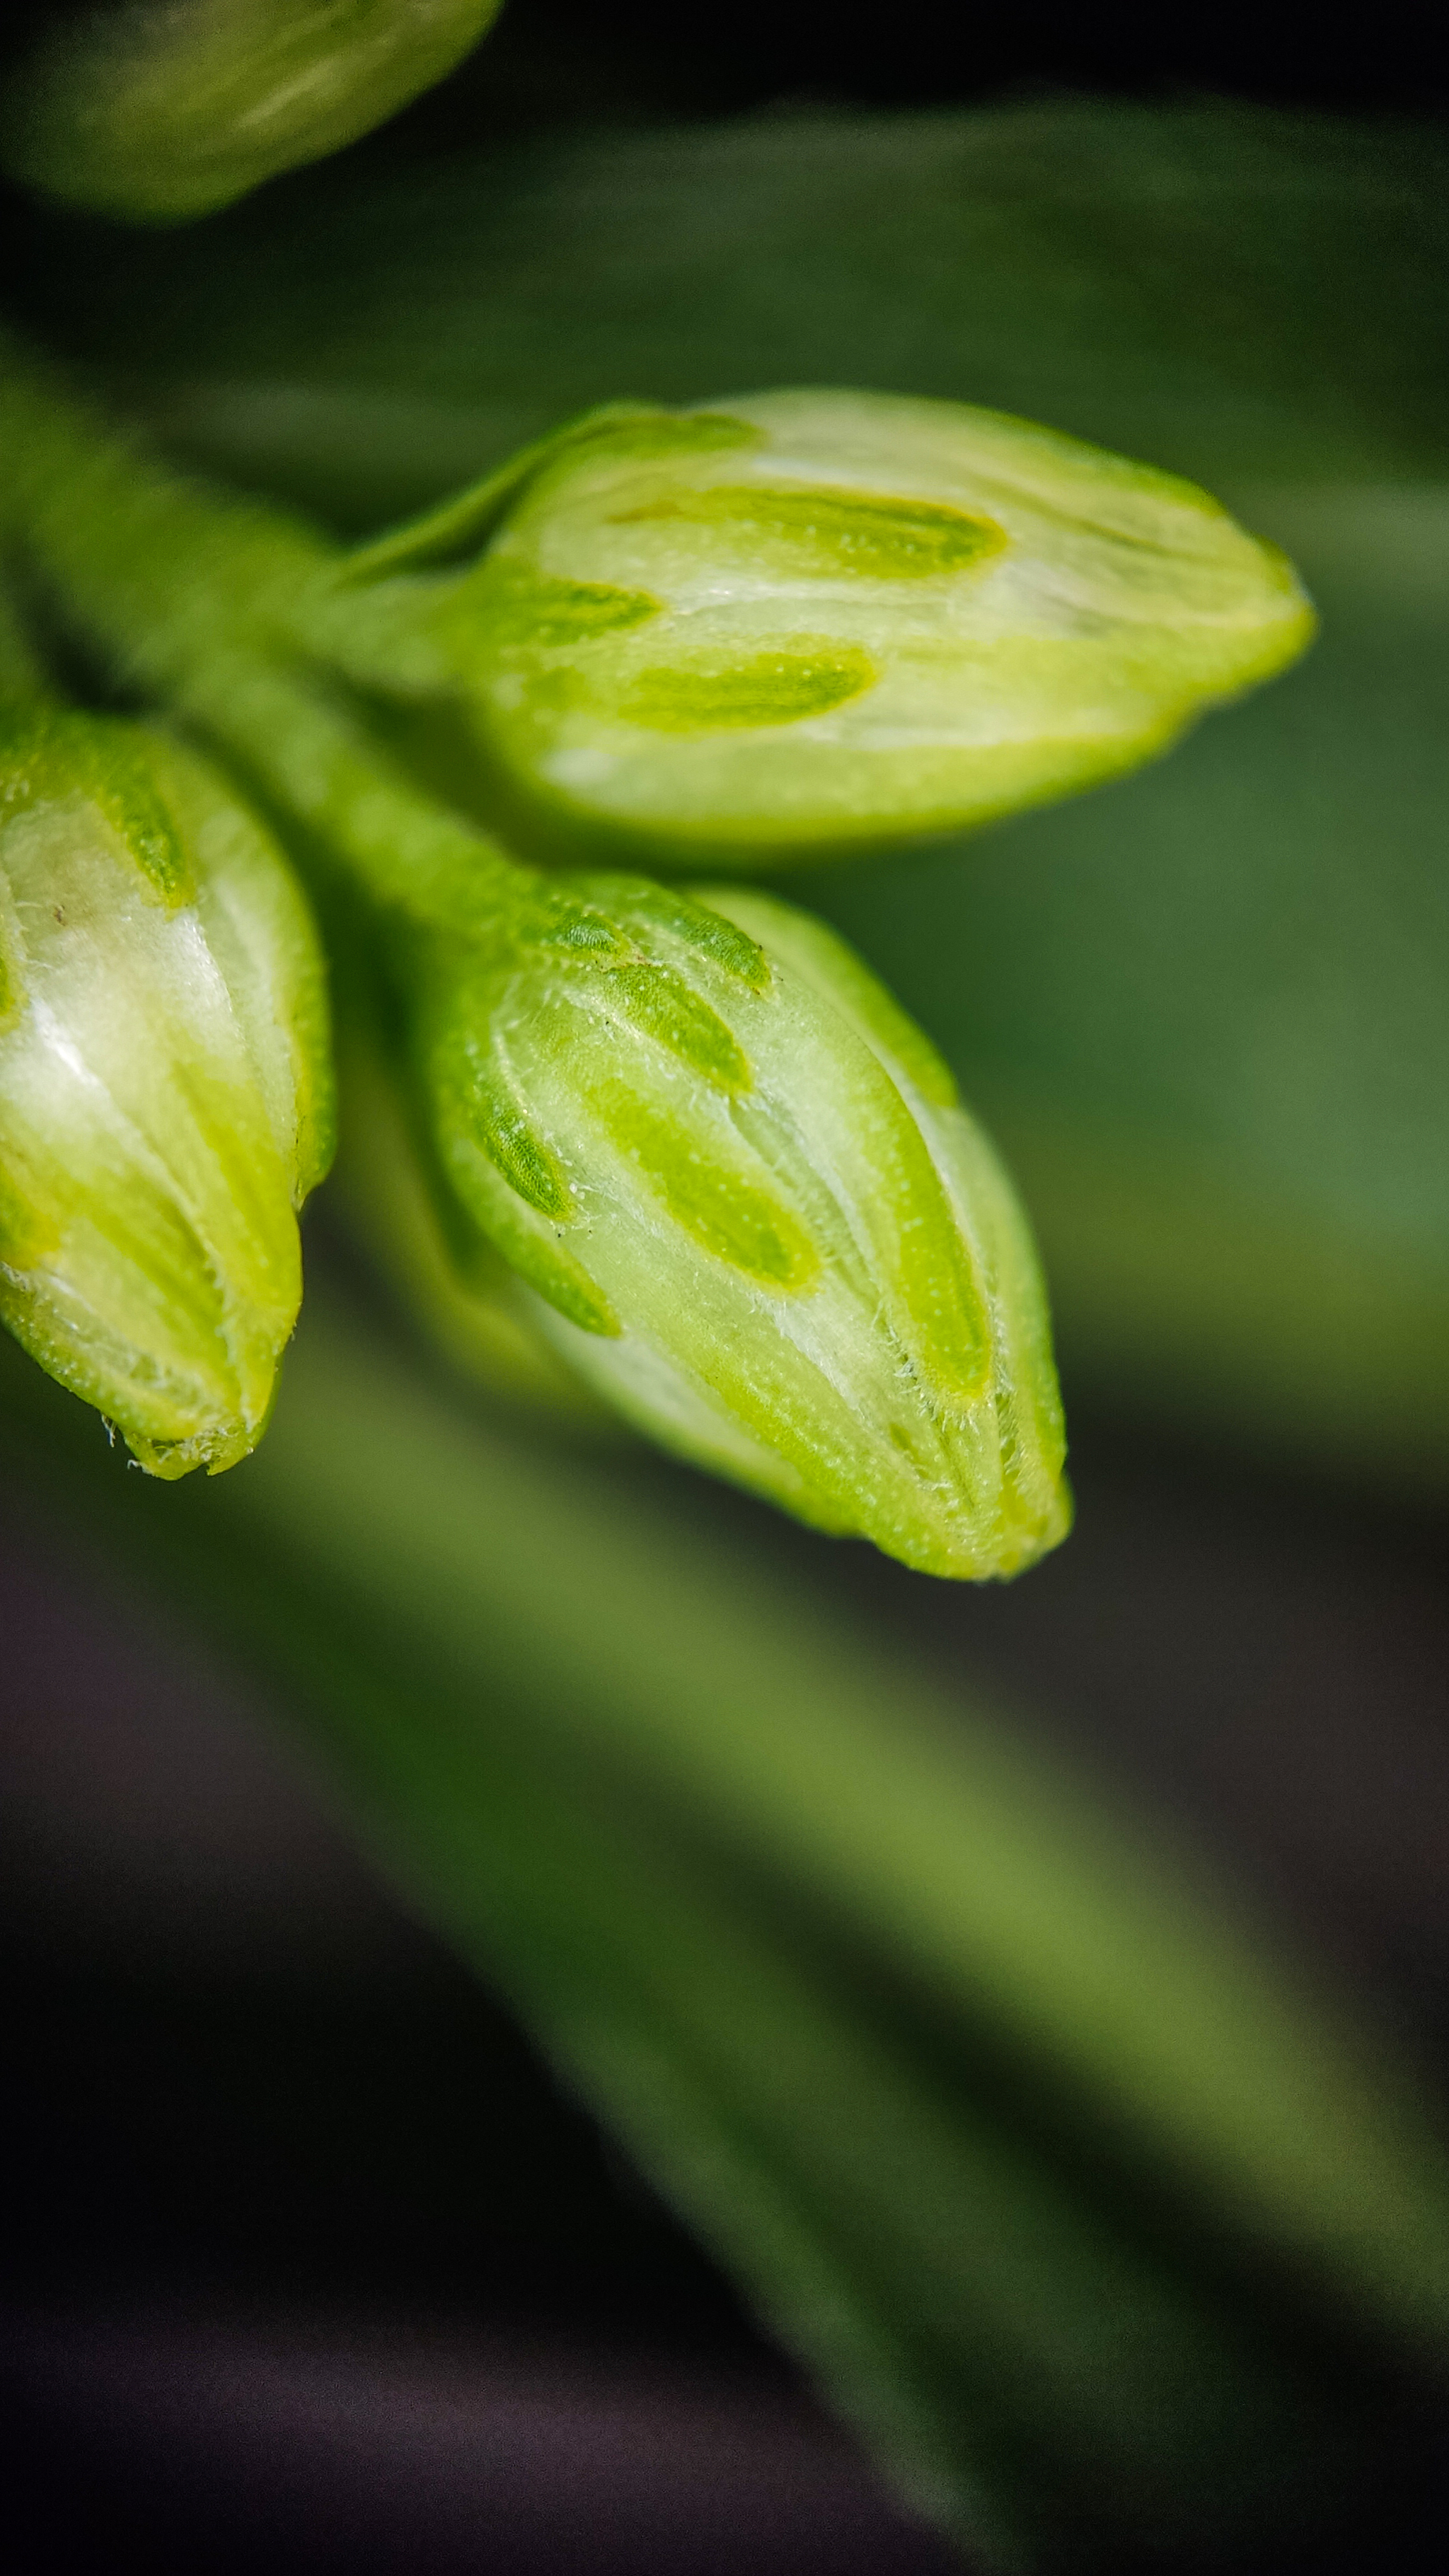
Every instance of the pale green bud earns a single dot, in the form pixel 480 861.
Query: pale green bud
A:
pixel 160 110
pixel 753 1214
pixel 165 1092
pixel 813 620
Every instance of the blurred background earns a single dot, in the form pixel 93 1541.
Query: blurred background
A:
pixel 309 2251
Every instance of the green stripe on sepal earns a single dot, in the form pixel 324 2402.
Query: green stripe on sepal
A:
pixel 660 1005
pixel 882 618
pixel 717 1199
pixel 500 1126
pixel 827 534
pixel 697 926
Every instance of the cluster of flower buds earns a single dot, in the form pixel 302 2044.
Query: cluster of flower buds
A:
pixel 732 1184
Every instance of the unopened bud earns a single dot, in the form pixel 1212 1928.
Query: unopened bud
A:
pixel 814 620
pixel 161 110
pixel 753 1214
pixel 165 1100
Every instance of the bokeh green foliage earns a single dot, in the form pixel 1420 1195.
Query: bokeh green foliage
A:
pixel 160 110
pixel 1108 2234
pixel 1203 1011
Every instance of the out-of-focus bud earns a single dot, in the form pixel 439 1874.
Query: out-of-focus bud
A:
pixel 160 110
pixel 752 1212
pixel 165 1087
pixel 815 620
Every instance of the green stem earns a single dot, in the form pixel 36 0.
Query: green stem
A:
pixel 193 598
pixel 299 743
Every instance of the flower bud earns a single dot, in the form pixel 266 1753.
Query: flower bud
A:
pixel 819 619
pixel 165 1100
pixel 753 1215
pixel 158 112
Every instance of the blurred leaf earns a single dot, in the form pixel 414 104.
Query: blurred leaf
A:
pixel 1073 2200
pixel 1227 293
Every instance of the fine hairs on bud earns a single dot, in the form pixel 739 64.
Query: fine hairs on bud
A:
pixel 752 1212
pixel 165 1090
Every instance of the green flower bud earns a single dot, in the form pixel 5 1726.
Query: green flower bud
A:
pixel 160 111
pixel 816 620
pixel 752 1212
pixel 164 1085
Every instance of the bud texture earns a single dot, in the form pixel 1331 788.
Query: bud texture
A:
pixel 753 1214
pixel 815 620
pixel 165 1100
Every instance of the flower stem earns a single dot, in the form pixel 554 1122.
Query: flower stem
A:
pixel 188 595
